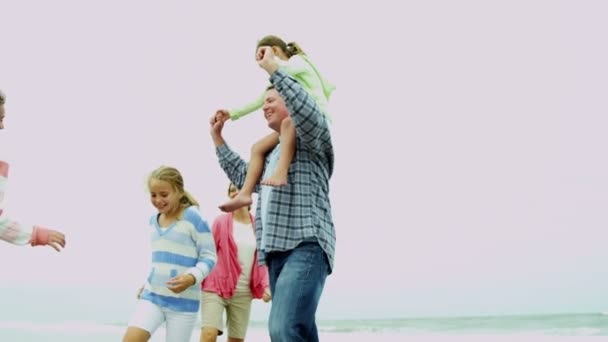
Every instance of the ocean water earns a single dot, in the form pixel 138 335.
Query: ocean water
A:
pixel 101 315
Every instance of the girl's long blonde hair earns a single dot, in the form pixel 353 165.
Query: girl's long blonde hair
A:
pixel 172 176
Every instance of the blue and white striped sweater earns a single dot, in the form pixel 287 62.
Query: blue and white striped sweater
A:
pixel 187 246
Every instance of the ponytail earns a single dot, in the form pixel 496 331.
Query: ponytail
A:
pixel 189 200
pixel 290 49
pixel 294 49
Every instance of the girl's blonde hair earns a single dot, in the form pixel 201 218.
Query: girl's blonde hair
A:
pixel 172 176
pixel 290 49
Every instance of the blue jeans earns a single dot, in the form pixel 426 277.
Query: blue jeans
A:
pixel 296 279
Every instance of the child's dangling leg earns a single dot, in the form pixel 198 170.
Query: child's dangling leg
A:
pixel 254 172
pixel 288 149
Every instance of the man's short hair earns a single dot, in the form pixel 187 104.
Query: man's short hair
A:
pixel 270 87
pixel 2 98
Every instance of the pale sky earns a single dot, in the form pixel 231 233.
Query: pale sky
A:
pixel 470 173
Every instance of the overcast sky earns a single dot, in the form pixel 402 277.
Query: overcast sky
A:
pixel 470 140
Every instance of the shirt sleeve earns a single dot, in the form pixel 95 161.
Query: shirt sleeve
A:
pixel 205 245
pixel 233 165
pixel 308 119
pixel 238 113
pixel 11 231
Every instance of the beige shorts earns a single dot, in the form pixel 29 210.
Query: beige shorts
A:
pixel 237 309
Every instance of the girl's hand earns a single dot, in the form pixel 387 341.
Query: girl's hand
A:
pixel 56 240
pixel 48 237
pixel 266 297
pixel 3 168
pixel 222 114
pixel 266 60
pixel 181 282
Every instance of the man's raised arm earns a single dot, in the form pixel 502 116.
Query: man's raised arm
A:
pixel 310 123
pixel 233 165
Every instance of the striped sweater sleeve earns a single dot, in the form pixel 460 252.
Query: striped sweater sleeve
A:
pixel 205 245
pixel 11 231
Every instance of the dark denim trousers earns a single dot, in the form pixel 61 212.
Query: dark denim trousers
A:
pixel 297 278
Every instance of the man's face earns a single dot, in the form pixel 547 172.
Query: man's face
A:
pixel 274 109
pixel 1 116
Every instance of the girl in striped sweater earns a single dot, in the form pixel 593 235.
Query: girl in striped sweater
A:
pixel 183 254
pixel 14 232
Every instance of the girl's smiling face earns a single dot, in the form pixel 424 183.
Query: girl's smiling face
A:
pixel 164 197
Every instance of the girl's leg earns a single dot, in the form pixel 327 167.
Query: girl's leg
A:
pixel 134 334
pixel 237 314
pixel 209 334
pixel 254 172
pixel 212 312
pixel 180 325
pixel 288 149
pixel 146 319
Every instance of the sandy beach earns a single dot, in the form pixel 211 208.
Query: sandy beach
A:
pixel 259 335
pixel 97 333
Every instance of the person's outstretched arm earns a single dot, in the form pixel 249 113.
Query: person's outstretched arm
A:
pixel 237 113
pixel 11 231
pixel 21 234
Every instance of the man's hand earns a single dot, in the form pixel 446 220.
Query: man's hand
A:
pixel 266 59
pixel 217 124
pixel 220 114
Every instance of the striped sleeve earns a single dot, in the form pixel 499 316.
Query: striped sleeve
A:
pixel 11 231
pixel 205 245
